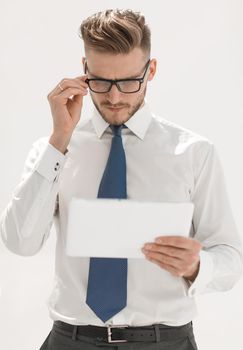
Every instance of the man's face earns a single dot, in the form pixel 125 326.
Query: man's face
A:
pixel 114 106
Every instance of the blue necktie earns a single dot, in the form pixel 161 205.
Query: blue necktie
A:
pixel 107 284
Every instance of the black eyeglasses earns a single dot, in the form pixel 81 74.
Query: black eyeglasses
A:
pixel 127 86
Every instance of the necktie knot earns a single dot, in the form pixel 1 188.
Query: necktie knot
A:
pixel 117 129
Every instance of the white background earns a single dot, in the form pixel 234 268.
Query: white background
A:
pixel 199 85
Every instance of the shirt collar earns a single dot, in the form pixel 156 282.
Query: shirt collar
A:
pixel 138 123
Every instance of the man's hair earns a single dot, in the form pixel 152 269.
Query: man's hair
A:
pixel 116 31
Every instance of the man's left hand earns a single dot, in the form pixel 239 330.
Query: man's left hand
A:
pixel 176 254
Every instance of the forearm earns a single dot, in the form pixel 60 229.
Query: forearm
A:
pixel 60 142
pixel 26 222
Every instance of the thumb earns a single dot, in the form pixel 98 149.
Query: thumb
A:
pixel 78 99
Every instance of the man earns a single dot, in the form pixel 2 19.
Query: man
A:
pixel 123 151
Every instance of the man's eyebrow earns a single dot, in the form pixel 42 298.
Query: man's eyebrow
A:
pixel 99 77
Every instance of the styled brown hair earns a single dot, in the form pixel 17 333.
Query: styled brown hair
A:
pixel 116 31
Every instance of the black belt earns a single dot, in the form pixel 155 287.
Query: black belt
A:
pixel 120 334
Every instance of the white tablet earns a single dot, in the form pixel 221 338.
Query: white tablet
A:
pixel 120 227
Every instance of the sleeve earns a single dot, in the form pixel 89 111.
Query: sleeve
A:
pixel 26 222
pixel 221 259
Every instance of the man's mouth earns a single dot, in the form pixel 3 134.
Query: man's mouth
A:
pixel 115 108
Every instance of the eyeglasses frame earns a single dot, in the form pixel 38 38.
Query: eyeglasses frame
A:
pixel 116 82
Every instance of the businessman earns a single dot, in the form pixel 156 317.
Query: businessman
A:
pixel 123 150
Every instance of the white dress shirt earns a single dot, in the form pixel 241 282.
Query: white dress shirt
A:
pixel 166 163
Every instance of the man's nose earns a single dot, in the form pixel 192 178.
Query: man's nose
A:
pixel 114 95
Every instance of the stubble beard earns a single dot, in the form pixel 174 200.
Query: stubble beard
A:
pixel 131 111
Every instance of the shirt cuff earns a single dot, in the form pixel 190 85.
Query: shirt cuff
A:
pixel 50 162
pixel 205 275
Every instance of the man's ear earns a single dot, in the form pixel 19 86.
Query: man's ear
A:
pixel 84 64
pixel 153 66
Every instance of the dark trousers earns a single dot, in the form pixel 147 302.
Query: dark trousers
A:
pixel 58 339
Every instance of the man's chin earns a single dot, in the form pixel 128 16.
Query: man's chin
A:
pixel 115 116
pixel 116 120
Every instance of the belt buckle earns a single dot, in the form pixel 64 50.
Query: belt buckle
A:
pixel 109 334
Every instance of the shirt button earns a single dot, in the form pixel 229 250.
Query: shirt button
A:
pixel 57 166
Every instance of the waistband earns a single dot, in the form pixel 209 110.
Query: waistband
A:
pixel 124 333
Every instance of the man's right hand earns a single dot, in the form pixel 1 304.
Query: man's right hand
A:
pixel 66 106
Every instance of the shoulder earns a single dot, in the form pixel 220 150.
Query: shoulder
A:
pixel 180 138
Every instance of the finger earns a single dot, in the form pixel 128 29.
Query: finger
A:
pixel 175 272
pixel 165 259
pixel 179 242
pixel 64 83
pixel 173 265
pixel 167 250
pixel 170 268
pixel 79 98
pixel 82 77
pixel 182 261
pixel 69 92
pixel 68 83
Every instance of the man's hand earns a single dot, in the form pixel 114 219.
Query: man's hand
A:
pixel 178 255
pixel 66 101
